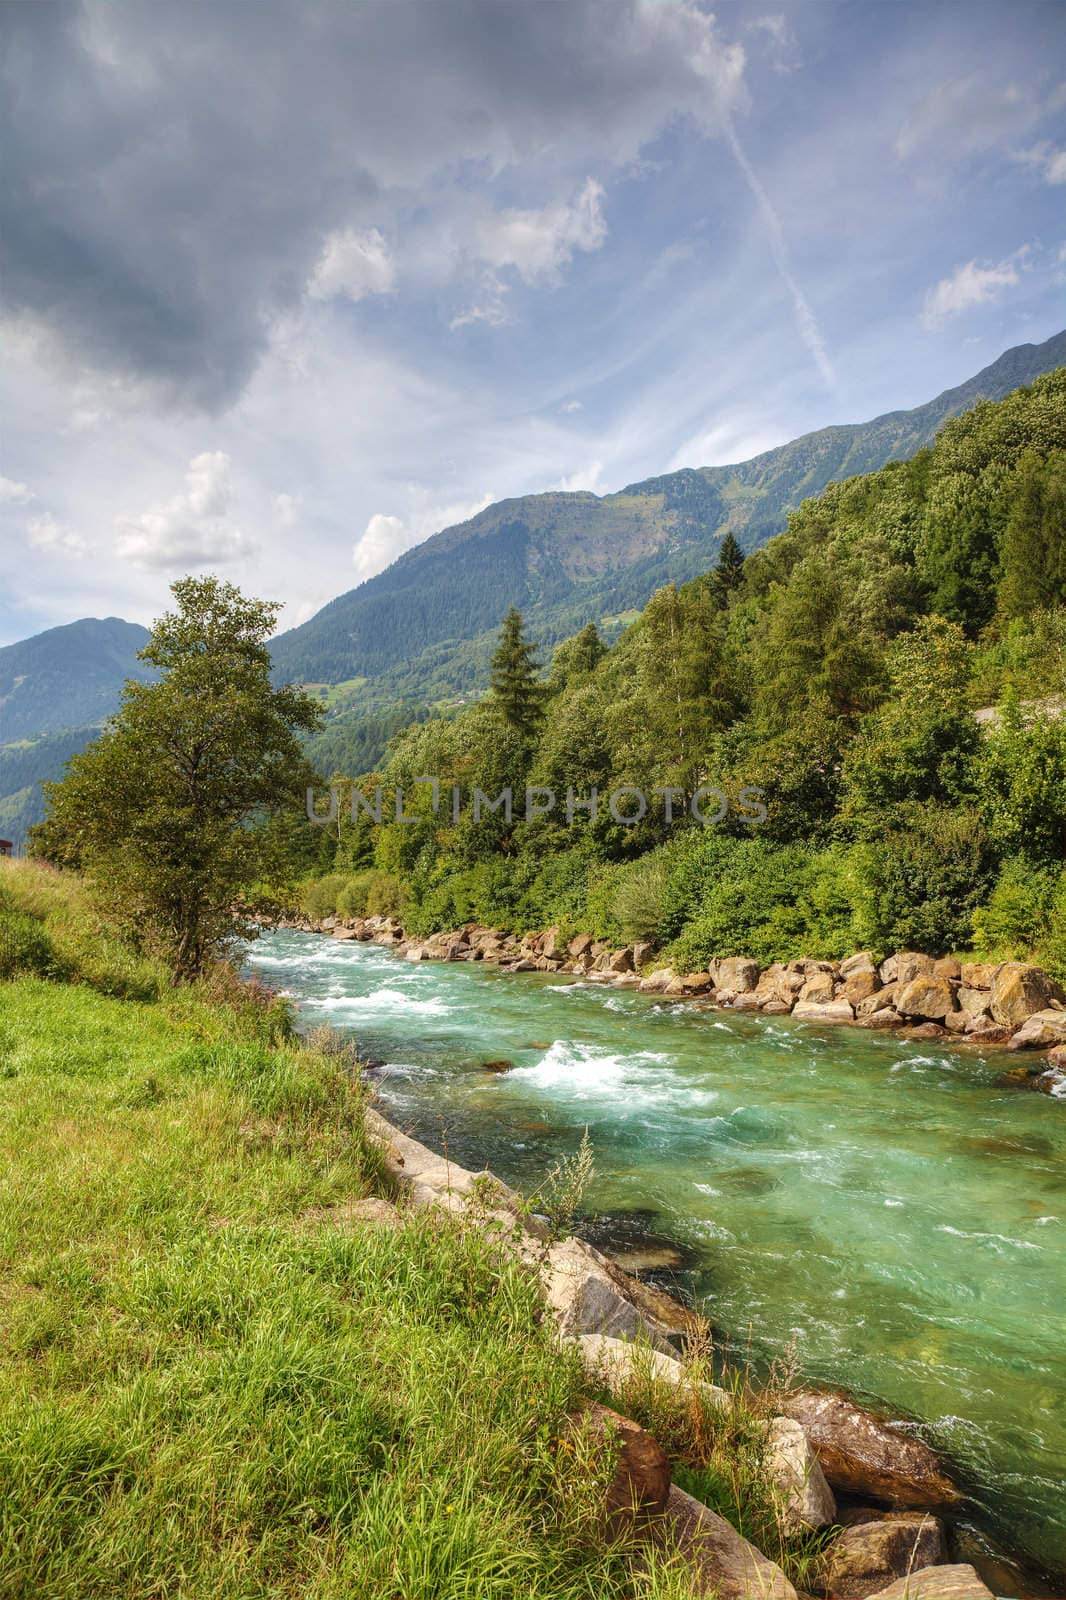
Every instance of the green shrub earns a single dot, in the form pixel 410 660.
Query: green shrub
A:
pixel 353 896
pixel 26 949
pixel 318 898
pixel 921 881
pixel 1016 916
pixel 638 899
pixel 384 896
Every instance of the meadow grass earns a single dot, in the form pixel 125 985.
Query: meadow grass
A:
pixel 210 1386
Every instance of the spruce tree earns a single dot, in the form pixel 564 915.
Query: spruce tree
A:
pixel 516 689
pixel 727 573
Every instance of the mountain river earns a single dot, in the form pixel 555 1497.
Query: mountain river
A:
pixel 886 1213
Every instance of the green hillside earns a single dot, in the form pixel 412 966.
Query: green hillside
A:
pixel 423 629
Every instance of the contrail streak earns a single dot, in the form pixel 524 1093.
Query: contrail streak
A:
pixel 809 330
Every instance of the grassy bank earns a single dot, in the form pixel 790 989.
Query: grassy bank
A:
pixel 210 1384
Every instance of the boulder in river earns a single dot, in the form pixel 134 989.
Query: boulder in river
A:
pixel 807 1500
pixel 926 996
pixel 818 987
pixel 863 1454
pixel 736 973
pixel 823 1011
pixel 586 1296
pixel 1019 989
pixel 870 1555
pixel 959 1582
pixel 905 965
pixel 1041 1030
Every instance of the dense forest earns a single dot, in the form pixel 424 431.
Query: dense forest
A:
pixel 838 671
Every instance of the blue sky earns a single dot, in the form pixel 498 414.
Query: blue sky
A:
pixel 286 289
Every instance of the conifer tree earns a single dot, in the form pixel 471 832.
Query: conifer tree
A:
pixel 516 689
pixel 727 573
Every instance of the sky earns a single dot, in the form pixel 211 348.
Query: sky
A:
pixel 284 289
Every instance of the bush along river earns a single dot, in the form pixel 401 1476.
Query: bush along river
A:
pixel 890 1212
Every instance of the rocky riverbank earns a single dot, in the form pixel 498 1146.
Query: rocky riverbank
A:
pixel 1010 1005
pixel 888 1527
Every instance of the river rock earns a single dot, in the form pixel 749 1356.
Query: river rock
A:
pixel 414 952
pixel 658 982
pixel 344 933
pixel 580 945
pixel 642 953
pixel 860 986
pixel 886 1018
pixel 818 987
pixel 721 1563
pixel 1052 1082
pixel 778 983
pixel 862 961
pixel 1019 989
pixel 620 960
pixel 958 1582
pixel 925 996
pixel 870 1555
pixel 978 974
pixel 948 967
pixel 688 983
pixel 585 1296
pixel 904 966
pixel 881 1000
pixel 621 1364
pixel 738 973
pixel 1041 1030
pixel 973 1001
pixel 823 1011
pixel 793 1467
pixel 928 1030
pixel 641 1481
pixel 958 1022
pixel 863 1454
pixel 988 1033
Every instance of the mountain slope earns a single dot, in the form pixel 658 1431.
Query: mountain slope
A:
pixel 423 626
pixel 67 677
pixel 56 690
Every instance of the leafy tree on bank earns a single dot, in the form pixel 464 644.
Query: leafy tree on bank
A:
pixel 158 812
pixel 516 687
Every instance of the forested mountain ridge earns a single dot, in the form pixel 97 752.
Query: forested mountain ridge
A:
pixel 423 628
pixel 835 671
pixel 56 690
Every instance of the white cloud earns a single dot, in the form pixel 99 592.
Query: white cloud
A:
pixel 570 406
pixel 722 444
pixel 190 529
pixel 588 477
pixel 961 115
pixel 969 285
pixel 287 509
pixel 490 310
pixel 782 43
pixel 1050 162
pixel 539 243
pixel 13 493
pixel 387 537
pixel 352 265
pixel 45 533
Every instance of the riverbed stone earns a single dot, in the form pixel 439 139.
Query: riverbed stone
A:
pixel 869 1555
pixel 658 981
pixel 1040 1031
pixel 623 1364
pixel 957 1022
pixel 886 1018
pixel 584 1296
pixel 738 973
pixel 823 1011
pixel 957 1582
pixel 688 983
pixel 926 996
pixel 863 1454
pixel 721 1563
pixel 881 1000
pixel 978 974
pixel 860 986
pixel 778 983
pixel 807 1500
pixel 904 966
pixel 818 987
pixel 1018 989
pixel 640 1484
pixel 861 961
pixel 973 1001
pixel 991 1034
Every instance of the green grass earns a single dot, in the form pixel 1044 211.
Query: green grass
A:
pixel 211 1386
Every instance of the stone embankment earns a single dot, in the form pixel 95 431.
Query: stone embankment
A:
pixel 629 1336
pixel 1009 1005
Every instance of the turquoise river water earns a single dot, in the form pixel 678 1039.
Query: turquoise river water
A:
pixel 889 1211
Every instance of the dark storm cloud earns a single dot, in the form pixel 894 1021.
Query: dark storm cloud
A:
pixel 172 172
